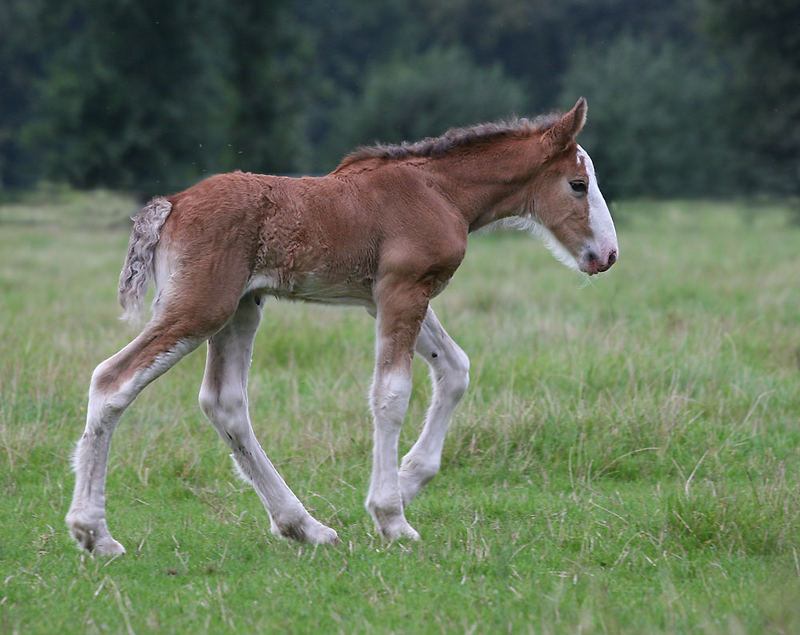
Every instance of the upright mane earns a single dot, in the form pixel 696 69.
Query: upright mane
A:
pixel 452 139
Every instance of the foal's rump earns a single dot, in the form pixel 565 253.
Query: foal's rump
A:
pixel 195 246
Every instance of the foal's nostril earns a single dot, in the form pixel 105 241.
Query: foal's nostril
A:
pixel 592 257
pixel 612 258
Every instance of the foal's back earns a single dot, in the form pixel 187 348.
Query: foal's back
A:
pixel 291 236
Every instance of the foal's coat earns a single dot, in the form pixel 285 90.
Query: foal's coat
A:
pixel 386 230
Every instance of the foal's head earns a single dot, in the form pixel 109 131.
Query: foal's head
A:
pixel 567 205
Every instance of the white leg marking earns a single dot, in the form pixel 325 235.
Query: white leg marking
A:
pixel 449 367
pixel 87 514
pixel 223 398
pixel 390 393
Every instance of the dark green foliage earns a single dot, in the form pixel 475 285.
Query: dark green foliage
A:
pixel 268 85
pixel 128 77
pixel 421 97
pixel 21 60
pixel 698 97
pixel 148 95
pixel 763 43
pixel 660 119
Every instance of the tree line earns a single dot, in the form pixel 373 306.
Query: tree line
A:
pixel 686 98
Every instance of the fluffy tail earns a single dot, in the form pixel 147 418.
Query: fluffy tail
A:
pixel 138 269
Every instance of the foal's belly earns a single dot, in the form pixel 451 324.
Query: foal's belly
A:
pixel 312 287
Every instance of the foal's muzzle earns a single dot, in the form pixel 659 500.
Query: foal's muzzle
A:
pixel 592 263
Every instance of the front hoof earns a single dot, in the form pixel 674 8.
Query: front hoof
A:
pixel 398 531
pixel 392 523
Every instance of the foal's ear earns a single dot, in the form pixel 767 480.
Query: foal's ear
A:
pixel 564 131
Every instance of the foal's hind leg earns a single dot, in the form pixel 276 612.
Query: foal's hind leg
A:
pixel 223 398
pixel 450 375
pixel 115 384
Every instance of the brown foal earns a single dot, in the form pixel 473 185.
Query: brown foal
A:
pixel 386 230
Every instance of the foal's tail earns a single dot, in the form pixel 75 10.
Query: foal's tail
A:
pixel 139 268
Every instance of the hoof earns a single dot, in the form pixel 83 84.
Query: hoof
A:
pixel 392 523
pixel 307 529
pixel 108 547
pixel 95 537
pixel 398 531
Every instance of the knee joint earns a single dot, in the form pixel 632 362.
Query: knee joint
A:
pixel 390 396
pixel 422 468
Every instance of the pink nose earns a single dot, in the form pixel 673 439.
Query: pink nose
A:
pixel 596 264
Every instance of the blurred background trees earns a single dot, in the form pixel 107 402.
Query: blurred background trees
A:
pixel 689 98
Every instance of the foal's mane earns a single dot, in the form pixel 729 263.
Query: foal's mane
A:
pixel 452 139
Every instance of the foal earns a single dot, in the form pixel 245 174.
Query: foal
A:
pixel 386 230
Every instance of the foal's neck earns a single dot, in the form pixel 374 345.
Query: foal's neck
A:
pixel 490 184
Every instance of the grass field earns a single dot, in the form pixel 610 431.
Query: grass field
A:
pixel 627 458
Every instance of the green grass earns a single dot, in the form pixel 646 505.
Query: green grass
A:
pixel 626 460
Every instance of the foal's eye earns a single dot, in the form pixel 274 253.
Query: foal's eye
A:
pixel 578 187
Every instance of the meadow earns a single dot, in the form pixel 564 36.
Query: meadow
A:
pixel 626 459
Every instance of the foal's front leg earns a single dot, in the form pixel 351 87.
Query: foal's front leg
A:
pixel 450 376
pixel 399 314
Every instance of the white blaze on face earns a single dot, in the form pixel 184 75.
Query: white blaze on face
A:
pixel 603 232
